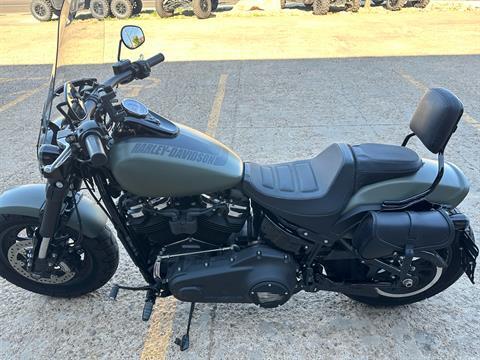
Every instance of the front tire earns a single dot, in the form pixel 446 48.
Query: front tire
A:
pixel 41 10
pixel 443 278
pixel 137 7
pixel 122 9
pixel 76 273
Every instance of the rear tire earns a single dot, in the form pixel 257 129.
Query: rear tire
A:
pixel 447 278
pixel 395 5
pixel 41 10
pixel 161 10
pixel 122 9
pixel 100 261
pixel 321 7
pixel 99 9
pixel 202 8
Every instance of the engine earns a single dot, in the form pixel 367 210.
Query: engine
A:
pixel 178 225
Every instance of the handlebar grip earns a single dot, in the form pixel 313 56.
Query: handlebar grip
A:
pixel 95 150
pixel 155 60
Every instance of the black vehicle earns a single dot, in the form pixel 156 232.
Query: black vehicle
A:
pixel 371 221
pixel 201 8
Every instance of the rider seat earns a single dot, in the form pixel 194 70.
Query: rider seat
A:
pixel 323 185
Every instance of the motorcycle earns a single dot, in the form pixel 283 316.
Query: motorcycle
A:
pixel 372 221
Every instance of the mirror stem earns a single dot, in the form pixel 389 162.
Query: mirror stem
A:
pixel 119 50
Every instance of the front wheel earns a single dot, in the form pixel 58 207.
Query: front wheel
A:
pixel 41 10
pixel 73 269
pixel 122 9
pixel 429 281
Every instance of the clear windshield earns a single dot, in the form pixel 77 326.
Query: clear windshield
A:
pixel 80 48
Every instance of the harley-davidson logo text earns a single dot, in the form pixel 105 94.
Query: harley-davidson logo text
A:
pixel 175 152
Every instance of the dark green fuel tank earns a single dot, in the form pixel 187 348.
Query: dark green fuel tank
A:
pixel 191 163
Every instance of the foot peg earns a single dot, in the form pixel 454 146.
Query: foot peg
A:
pixel 152 292
pixel 184 342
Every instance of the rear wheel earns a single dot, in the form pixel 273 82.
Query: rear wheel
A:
pixel 202 8
pixel 74 269
pixel 429 280
pixel 321 7
pixel 159 6
pixel 99 9
pixel 41 10
pixel 122 9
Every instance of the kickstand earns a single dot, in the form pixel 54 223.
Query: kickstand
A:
pixel 184 342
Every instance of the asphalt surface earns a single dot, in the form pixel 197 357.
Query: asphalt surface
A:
pixel 272 111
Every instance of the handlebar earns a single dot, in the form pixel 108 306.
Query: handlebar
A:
pixel 155 60
pixel 95 150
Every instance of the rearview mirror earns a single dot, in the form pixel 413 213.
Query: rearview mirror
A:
pixel 132 36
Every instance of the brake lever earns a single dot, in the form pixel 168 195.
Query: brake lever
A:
pixel 59 161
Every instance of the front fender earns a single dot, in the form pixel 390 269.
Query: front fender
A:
pixel 28 200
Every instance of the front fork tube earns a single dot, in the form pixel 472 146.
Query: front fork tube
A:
pixel 55 196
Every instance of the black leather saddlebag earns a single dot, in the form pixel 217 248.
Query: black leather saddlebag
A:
pixel 382 233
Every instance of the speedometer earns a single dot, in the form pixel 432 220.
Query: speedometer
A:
pixel 135 108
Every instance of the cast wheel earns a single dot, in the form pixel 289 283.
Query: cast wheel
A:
pixel 429 280
pixel 321 7
pixel 282 4
pixel 159 6
pixel 73 270
pixel 137 7
pixel 99 9
pixel 214 5
pixel 122 9
pixel 202 8
pixel 352 5
pixel 395 5
pixel 422 4
pixel 41 10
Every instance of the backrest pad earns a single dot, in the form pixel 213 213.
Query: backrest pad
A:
pixel 436 118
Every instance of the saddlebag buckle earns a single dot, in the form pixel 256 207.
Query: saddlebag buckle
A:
pixel 469 254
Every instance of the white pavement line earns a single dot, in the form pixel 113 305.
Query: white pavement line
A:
pixel 217 106
pixel 19 99
pixel 466 116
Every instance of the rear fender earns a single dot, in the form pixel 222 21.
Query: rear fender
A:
pixel 28 200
